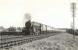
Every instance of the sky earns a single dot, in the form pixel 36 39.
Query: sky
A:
pixel 55 13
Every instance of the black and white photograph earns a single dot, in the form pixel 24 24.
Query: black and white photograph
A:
pixel 38 24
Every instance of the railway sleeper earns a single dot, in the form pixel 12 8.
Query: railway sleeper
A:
pixel 19 42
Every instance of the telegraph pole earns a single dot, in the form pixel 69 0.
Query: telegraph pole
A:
pixel 73 17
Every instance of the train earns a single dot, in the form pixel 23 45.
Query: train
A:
pixel 32 28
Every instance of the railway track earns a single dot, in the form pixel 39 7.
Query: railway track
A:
pixel 23 40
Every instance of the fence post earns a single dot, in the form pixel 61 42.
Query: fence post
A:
pixel 40 28
pixel 46 28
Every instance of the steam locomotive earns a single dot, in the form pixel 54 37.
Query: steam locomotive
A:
pixel 32 28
